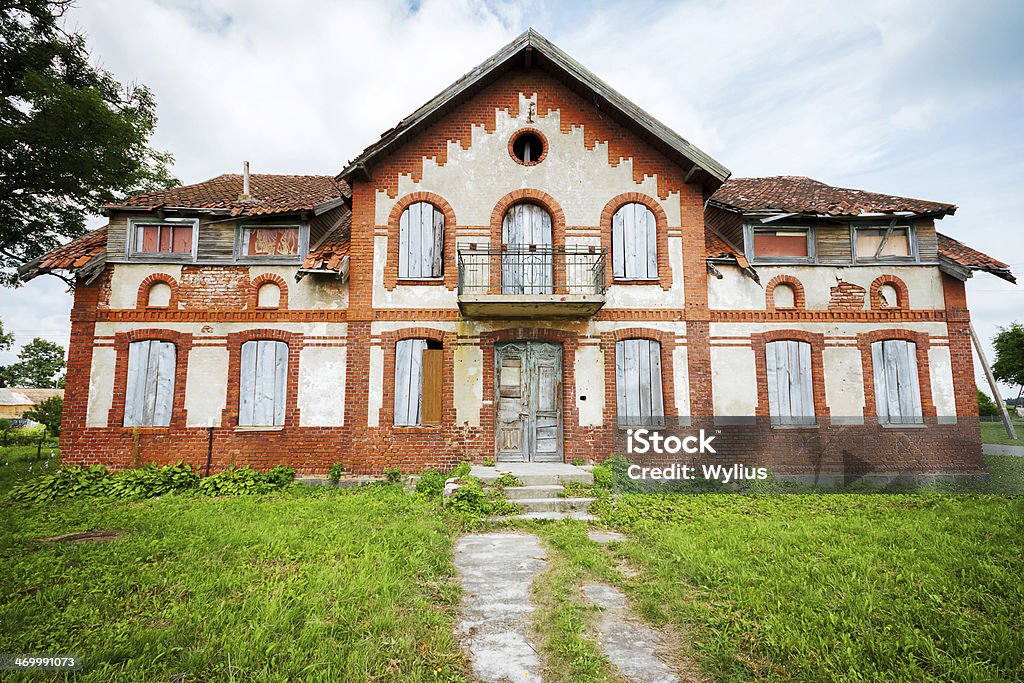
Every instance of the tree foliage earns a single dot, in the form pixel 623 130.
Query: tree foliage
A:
pixel 39 365
pixel 6 338
pixel 72 138
pixel 1009 345
pixel 986 406
pixel 48 414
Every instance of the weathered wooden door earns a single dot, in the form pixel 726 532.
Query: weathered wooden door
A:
pixel 528 402
pixel 527 262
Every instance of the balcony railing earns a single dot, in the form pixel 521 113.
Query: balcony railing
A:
pixel 531 281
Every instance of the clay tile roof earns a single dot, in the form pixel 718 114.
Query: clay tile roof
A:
pixel 962 255
pixel 270 194
pixel 74 255
pixel 328 254
pixel 798 194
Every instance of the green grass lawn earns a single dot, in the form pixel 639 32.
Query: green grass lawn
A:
pixel 995 432
pixel 360 586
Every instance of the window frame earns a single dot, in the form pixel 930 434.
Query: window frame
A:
pixel 428 345
pixel 283 408
pixel 806 354
pixel 130 394
pixel 438 240
pixel 156 256
pixel 751 229
pixel 620 387
pixel 652 225
pixel 242 242
pixel 914 386
pixel 914 256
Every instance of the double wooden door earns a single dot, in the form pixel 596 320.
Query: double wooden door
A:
pixel 528 402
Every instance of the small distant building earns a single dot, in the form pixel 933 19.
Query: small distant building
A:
pixel 14 401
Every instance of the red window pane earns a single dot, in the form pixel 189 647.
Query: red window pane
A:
pixel 164 239
pixel 182 243
pixel 780 244
pixel 150 238
pixel 273 241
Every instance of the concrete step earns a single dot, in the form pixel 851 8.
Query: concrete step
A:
pixel 581 516
pixel 535 474
pixel 517 492
pixel 527 505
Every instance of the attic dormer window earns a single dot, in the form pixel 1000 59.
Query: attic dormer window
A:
pixel 271 242
pixel 165 238
pixel 884 243
pixel 781 244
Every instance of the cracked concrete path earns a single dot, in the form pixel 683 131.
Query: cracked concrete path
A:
pixel 497 571
pixel 635 648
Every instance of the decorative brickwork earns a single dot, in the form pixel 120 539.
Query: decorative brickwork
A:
pixel 447 341
pixel 259 281
pixel 668 387
pixel 544 146
pixel 902 294
pixel 544 200
pixel 235 340
pixel 920 339
pixel 143 298
pixel 182 345
pixel 759 342
pixel 799 301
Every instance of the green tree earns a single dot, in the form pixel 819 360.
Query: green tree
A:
pixel 1009 364
pixel 6 338
pixel 39 364
pixel 72 138
pixel 48 414
pixel 986 406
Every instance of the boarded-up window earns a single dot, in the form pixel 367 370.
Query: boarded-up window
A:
pixel 418 365
pixel 634 243
pixel 790 384
pixel 149 396
pixel 785 243
pixel 271 241
pixel 638 382
pixel 527 260
pixel 897 391
pixel 163 238
pixel 263 385
pixel 883 243
pixel 420 240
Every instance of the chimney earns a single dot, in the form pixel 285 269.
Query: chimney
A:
pixel 246 195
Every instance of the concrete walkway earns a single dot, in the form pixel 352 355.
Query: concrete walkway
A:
pixel 497 570
pixel 997 449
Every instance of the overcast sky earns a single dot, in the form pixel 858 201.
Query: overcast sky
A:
pixel 920 98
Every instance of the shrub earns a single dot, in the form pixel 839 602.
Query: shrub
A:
pixel 430 483
pixel 462 469
pixel 65 482
pixel 236 481
pixel 393 474
pixel 472 499
pixel 151 481
pixel 334 474
pixel 506 479
pixel 26 436
pixel 604 478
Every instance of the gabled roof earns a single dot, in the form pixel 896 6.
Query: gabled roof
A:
pixel 533 49
pixel 84 253
pixel 799 194
pixel 271 193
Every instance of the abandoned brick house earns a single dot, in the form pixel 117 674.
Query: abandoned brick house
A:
pixel 519 270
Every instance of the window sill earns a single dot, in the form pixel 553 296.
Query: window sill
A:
pixel 421 281
pixel 416 429
pixel 255 428
pixel 637 281
pixel 147 430
pixel 912 425
pixel 795 427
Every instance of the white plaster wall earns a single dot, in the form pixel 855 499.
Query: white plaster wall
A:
pixel 311 292
pixel 407 296
pixel 206 386
pixel 589 372
pixel 734 381
pixel 681 378
pixel 468 385
pixel 940 367
pixel 737 291
pixel 375 396
pixel 844 384
pixel 101 386
pixel 322 387
pixel 217 329
pixel 829 329
pixel 651 296
pixel 126 279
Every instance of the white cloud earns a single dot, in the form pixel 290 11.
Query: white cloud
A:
pixel 911 97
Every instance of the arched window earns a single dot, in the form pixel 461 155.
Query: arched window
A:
pixel 634 243
pixel 149 395
pixel 263 384
pixel 268 295
pixel 420 240
pixel 790 384
pixel 527 261
pixel 638 382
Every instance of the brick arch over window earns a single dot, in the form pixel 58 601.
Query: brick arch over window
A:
pixel 262 279
pixel 447 341
pixel 548 203
pixel 661 222
pixel 142 301
pixel 864 342
pixel 902 293
pixel 759 342
pixel 799 300
pixel 449 269
pixel 229 416
pixel 668 346
pixel 182 345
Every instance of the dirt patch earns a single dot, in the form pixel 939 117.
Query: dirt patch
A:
pixel 83 537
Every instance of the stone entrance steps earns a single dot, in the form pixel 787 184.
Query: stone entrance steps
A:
pixel 541 495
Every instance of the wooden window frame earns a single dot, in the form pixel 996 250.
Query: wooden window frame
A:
pixel 183 345
pixel 159 257
pixel 655 422
pixel 625 278
pixel 923 342
pixel 229 416
pixel 790 421
pixel 759 343
pixel 446 340
pixel 242 373
pixel 914 257
pixel 751 229
pixel 242 242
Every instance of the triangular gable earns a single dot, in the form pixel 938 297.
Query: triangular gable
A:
pixel 533 50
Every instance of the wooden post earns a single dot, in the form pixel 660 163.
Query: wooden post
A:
pixel 1011 432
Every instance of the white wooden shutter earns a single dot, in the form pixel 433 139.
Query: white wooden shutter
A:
pixel 790 383
pixel 528 265
pixel 263 385
pixel 149 395
pixel 409 381
pixel 634 243
pixel 897 390
pixel 638 382
pixel 420 241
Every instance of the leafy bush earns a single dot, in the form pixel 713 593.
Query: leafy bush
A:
pixel 471 498
pixel 462 469
pixel 27 436
pixel 151 481
pixel 65 482
pixel 236 481
pixel 393 474
pixel 604 477
pixel 48 413
pixel 334 474
pixel 506 479
pixel 430 483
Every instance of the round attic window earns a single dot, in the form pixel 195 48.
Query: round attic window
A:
pixel 528 147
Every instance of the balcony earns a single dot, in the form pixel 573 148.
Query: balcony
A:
pixel 531 282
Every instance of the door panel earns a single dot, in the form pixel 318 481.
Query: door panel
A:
pixel 528 402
